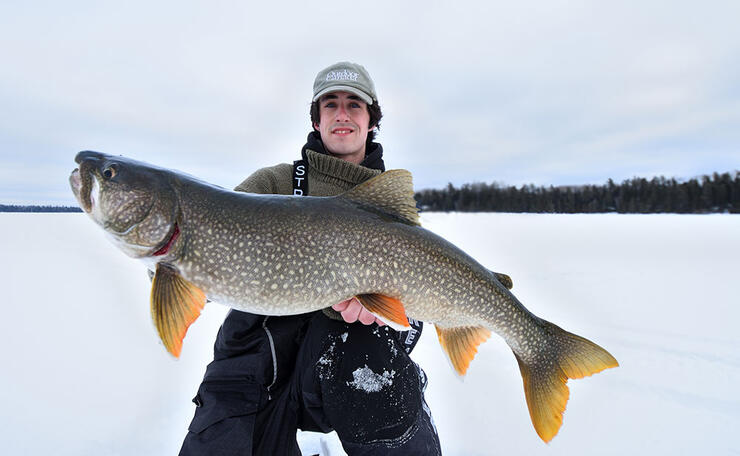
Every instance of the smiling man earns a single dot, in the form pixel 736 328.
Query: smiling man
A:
pixel 339 369
pixel 345 125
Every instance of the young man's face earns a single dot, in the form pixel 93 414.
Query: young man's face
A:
pixel 343 125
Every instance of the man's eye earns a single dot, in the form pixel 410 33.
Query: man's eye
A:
pixel 330 105
pixel 354 105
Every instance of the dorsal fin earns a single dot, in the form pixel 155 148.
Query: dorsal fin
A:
pixel 391 192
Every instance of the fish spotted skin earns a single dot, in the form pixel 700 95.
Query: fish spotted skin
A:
pixel 282 255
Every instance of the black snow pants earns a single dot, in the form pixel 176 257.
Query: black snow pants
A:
pixel 273 375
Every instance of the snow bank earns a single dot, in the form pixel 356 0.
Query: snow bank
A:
pixel 84 373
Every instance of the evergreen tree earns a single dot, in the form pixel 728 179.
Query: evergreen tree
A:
pixel 715 193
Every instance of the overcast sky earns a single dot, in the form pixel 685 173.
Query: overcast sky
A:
pixel 544 92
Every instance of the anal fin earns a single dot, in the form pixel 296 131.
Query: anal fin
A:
pixel 176 304
pixel 388 309
pixel 461 344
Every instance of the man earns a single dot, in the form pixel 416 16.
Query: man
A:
pixel 320 371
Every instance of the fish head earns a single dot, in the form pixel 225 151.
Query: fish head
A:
pixel 133 202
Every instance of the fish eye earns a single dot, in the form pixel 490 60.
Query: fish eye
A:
pixel 109 172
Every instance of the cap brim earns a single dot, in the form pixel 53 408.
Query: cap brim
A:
pixel 343 88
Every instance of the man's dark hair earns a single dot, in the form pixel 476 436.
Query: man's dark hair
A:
pixel 375 115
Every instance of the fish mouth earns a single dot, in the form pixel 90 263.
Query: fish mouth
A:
pixel 75 182
pixel 88 155
pixel 81 181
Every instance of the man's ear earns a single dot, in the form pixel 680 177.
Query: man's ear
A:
pixel 316 126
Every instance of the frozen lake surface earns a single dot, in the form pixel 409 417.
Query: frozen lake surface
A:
pixel 83 372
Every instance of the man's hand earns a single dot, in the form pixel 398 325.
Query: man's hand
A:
pixel 352 310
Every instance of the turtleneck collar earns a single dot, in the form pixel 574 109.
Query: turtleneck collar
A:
pixel 373 152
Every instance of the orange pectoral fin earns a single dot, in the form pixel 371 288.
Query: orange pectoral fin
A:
pixel 176 304
pixel 388 309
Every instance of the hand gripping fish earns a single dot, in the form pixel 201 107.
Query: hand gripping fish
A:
pixel 283 255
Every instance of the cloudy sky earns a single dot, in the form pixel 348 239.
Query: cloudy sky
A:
pixel 544 92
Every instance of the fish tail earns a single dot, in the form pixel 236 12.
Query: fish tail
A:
pixel 545 375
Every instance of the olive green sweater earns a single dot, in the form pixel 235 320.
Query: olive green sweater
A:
pixel 327 176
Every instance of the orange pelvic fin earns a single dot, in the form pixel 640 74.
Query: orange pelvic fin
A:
pixel 388 309
pixel 176 304
pixel 461 344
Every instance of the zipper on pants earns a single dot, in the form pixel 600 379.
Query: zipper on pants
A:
pixel 274 357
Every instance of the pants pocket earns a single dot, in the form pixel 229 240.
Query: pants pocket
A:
pixel 224 418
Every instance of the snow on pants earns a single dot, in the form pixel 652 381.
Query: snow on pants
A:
pixel 351 378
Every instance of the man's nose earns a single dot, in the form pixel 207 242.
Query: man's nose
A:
pixel 342 114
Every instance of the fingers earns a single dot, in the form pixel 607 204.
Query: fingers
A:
pixel 365 317
pixel 342 306
pixel 353 311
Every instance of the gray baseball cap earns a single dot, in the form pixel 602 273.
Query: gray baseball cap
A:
pixel 346 77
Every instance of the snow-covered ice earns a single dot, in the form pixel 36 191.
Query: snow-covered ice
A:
pixel 83 372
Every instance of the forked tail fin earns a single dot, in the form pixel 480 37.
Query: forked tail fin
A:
pixel 545 375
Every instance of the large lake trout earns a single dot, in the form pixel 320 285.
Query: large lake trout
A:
pixel 283 255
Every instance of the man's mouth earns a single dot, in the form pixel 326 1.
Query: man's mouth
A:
pixel 342 131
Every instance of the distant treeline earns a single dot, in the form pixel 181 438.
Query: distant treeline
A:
pixel 31 208
pixel 708 194
pixel 718 193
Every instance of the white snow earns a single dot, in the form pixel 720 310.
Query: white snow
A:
pixel 365 379
pixel 83 372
